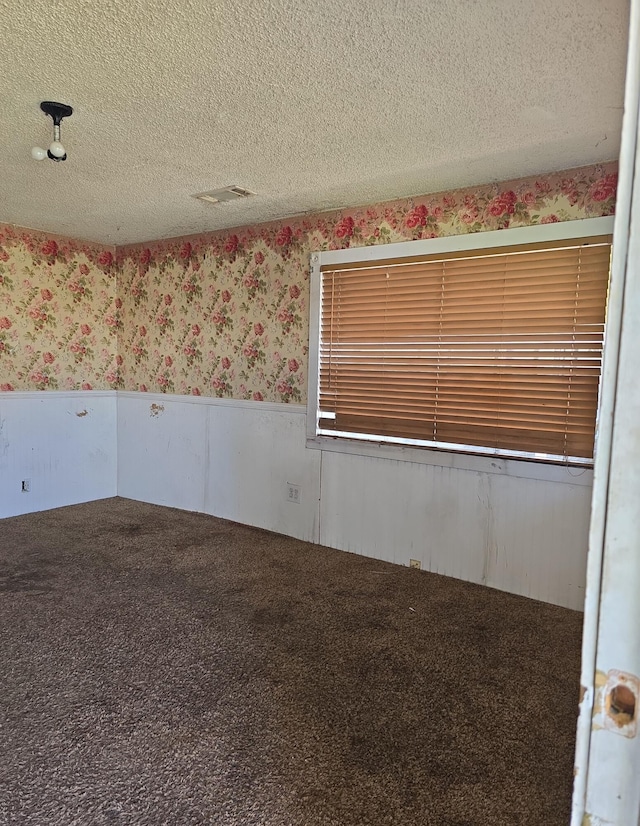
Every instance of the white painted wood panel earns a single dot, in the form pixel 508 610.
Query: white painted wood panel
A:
pixel 162 450
pixel 607 770
pixel 234 460
pixel 64 443
pixel 399 511
pixel 253 454
pixel 538 536
pixel 213 456
pixel 516 534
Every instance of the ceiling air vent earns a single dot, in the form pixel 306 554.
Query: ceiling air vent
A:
pixel 227 193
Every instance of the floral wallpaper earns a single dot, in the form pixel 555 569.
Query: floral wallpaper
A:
pixel 225 314
pixel 59 313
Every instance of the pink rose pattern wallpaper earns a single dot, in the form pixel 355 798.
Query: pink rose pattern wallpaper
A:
pixel 227 314
pixel 59 313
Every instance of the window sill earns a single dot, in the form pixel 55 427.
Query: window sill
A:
pixel 525 469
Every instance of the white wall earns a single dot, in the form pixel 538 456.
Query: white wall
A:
pixel 510 525
pixel 228 458
pixel 63 442
pixel 523 535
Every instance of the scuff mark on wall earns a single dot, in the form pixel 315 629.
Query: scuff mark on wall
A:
pixel 4 442
pixel 156 409
pixel 82 413
pixel 489 542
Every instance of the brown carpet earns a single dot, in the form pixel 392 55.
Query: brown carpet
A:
pixel 162 667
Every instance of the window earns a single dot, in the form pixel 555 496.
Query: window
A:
pixel 495 348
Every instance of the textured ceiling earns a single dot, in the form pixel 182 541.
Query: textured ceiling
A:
pixel 313 105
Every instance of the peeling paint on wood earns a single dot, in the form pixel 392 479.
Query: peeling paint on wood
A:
pixel 592 820
pixel 621 697
pixel 616 700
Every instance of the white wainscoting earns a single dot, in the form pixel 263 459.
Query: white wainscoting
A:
pixel 526 536
pixel 64 443
pixel 231 459
pixel 254 454
pixel 162 450
pixel 510 529
pixel 235 460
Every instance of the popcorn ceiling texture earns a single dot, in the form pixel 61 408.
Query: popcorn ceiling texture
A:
pixel 314 106
pixel 225 314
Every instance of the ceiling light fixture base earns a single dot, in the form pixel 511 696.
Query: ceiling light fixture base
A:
pixel 56 111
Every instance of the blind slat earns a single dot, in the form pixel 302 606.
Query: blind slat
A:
pixel 500 349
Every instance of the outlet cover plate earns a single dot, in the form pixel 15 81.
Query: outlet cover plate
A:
pixel 293 493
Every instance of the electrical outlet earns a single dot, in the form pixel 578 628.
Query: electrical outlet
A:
pixel 26 485
pixel 415 563
pixel 293 493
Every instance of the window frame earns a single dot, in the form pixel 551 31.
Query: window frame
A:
pixel 485 461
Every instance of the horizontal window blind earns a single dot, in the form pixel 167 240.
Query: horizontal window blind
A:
pixel 497 350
